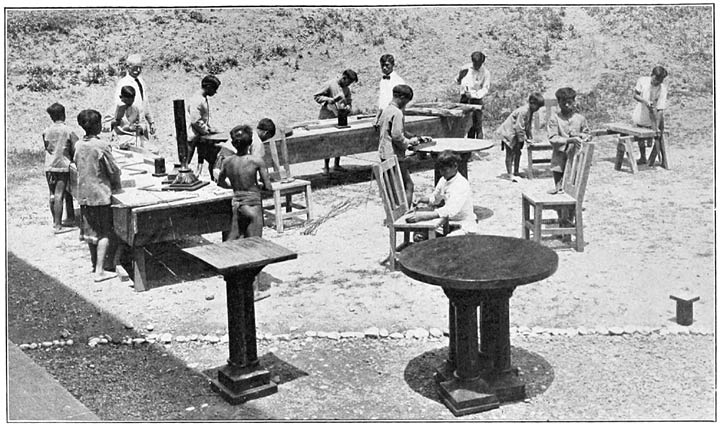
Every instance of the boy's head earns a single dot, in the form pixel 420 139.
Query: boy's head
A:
pixel 241 137
pixel 127 95
pixel 134 65
pixel 210 85
pixel 478 59
pixel 348 77
pixel 387 63
pixel 447 164
pixel 266 129
pixel 536 101
pixel 56 112
pixel 402 93
pixel 566 99
pixel 657 76
pixel 90 121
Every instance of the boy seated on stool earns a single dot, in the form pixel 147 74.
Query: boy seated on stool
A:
pixel 567 130
pixel 242 169
pixel 455 191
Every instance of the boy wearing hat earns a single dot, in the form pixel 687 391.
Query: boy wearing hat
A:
pixel 335 97
pixel 567 130
pixel 393 138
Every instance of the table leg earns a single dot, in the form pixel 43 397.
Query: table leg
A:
pixel 466 392
pixel 139 275
pixel 242 379
pixel 445 371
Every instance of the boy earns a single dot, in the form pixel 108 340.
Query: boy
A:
pixel 199 120
pixel 126 124
pixel 516 130
pixel 134 64
pixel 474 80
pixel 59 141
pixel 393 138
pixel 335 99
pixel 389 79
pixel 455 191
pixel 265 130
pixel 242 169
pixel 98 178
pixel 651 95
pixel 567 130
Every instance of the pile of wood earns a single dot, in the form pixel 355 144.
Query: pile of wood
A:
pixel 440 109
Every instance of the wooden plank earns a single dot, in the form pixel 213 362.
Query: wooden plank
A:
pixel 628 129
pixel 245 253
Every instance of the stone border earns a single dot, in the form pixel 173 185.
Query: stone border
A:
pixel 375 333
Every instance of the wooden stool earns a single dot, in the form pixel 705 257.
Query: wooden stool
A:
pixel 684 308
pixel 625 147
pixel 280 211
pixel 239 261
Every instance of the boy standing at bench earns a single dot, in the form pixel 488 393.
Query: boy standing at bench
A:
pixel 59 141
pixel 199 120
pixel 242 170
pixel 474 81
pixel 516 130
pixel 651 96
pixel 335 98
pixel 567 130
pixel 98 177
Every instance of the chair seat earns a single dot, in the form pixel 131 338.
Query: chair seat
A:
pixel 284 187
pixel 401 224
pixel 280 210
pixel 540 197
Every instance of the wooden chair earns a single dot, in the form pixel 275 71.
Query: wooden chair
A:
pixel 389 180
pixel 542 143
pixel 568 204
pixel 285 186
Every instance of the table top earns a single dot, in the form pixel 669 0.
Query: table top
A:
pixel 459 145
pixel 478 262
pixel 216 137
pixel 631 129
pixel 236 255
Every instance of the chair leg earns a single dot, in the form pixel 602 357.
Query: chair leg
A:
pixel 537 226
pixel 525 218
pixel 308 202
pixel 530 164
pixel 630 151
pixel 393 246
pixel 278 211
pixel 579 239
pixel 288 203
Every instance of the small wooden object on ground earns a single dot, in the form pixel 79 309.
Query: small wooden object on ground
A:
pixel 240 261
pixel 540 144
pixel 684 308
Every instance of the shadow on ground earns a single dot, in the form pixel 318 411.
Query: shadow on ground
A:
pixel 115 381
pixel 534 370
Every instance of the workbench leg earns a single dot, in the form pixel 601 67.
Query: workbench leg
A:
pixel 278 211
pixel 139 276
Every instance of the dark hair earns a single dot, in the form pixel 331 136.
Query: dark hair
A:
pixel 127 92
pixel 565 93
pixel 210 80
pixel 660 72
pixel 537 99
pixel 56 112
pixel 403 91
pixel 387 58
pixel 90 121
pixel 448 158
pixel 241 137
pixel 351 75
pixel 267 125
pixel 478 56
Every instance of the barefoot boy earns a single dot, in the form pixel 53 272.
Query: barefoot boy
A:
pixel 242 169
pixel 567 130
pixel 335 97
pixel 199 120
pixel 651 95
pixel 98 177
pixel 455 191
pixel 126 124
pixel 516 130
pixel 59 141
pixel 474 81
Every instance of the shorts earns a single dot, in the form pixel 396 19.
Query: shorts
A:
pixel 97 223
pixel 54 177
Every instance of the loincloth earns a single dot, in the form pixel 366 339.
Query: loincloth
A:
pixel 245 198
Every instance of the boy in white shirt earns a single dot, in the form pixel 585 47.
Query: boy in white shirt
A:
pixel 651 95
pixel 474 81
pixel 389 79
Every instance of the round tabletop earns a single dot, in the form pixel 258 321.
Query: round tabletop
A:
pixel 478 262
pixel 459 145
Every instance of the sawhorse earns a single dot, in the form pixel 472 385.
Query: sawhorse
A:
pixel 643 134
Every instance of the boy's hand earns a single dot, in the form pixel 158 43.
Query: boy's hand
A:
pixel 152 128
pixel 412 218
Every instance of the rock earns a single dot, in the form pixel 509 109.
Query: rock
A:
pixel 93 341
pixel 603 331
pixel 383 332
pixel 166 338
pixel 150 327
pixel 294 328
pixel 103 341
pixel 537 330
pixel 334 335
pixel 283 337
pixel 421 333
pixel 61 343
pixel 347 335
pixel 116 340
pixel 138 341
pixel 583 331
pixel 523 329
pixel 180 339
pixel 224 338
pixel 193 337
pixel 570 332
pixel 56 342
pixel 664 331
pixel 630 329
pixel 127 341
pixel 24 346
pixel 322 334
pixel 129 326
pixel 193 365
pixel 268 336
pixel 615 331
pixel 209 296
pixel 213 338
pixel 204 405
pixel 190 409
pixel 33 345
pixel 69 342
pixel 396 335
pixel 435 332
pixel 372 333
pixel 311 333
pixel 65 333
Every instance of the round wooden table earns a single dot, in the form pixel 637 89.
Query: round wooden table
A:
pixel 479 271
pixel 462 146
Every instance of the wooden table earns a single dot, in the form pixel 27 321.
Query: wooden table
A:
pixel 239 261
pixel 462 146
pixel 141 217
pixel 479 270
pixel 323 139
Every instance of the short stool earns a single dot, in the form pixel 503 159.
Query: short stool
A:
pixel 684 308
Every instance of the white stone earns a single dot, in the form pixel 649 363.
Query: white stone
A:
pixel 396 335
pixel 523 329
pixel 166 338
pixel 56 343
pixel 283 337
pixel 372 333
pixel 311 333
pixel 435 332
pixel 193 337
pixel 213 338
pixel 24 346
pixel 193 365
pixel 69 342
pixel 334 335
pixel 294 328
pixel 322 334
pixel 603 331
pixel 383 332
pixel 224 338
pixel 421 333
pixel 409 334
pixel 190 409
pixel 93 341
pixel 33 345
pixel 103 341
pixel 138 341
pixel 150 327
pixel 615 331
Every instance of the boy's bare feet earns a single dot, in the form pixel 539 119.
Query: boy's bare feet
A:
pixel 61 230
pixel 339 168
pixel 69 222
pixel 641 161
pixel 104 276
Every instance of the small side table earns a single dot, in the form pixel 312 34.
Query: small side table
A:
pixel 239 261
pixel 462 146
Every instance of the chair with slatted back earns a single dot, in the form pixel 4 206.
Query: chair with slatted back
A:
pixel 540 138
pixel 568 204
pixel 285 186
pixel 390 182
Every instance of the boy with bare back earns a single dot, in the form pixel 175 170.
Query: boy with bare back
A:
pixel 242 170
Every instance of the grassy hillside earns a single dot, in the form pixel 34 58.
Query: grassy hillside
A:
pixel 271 60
